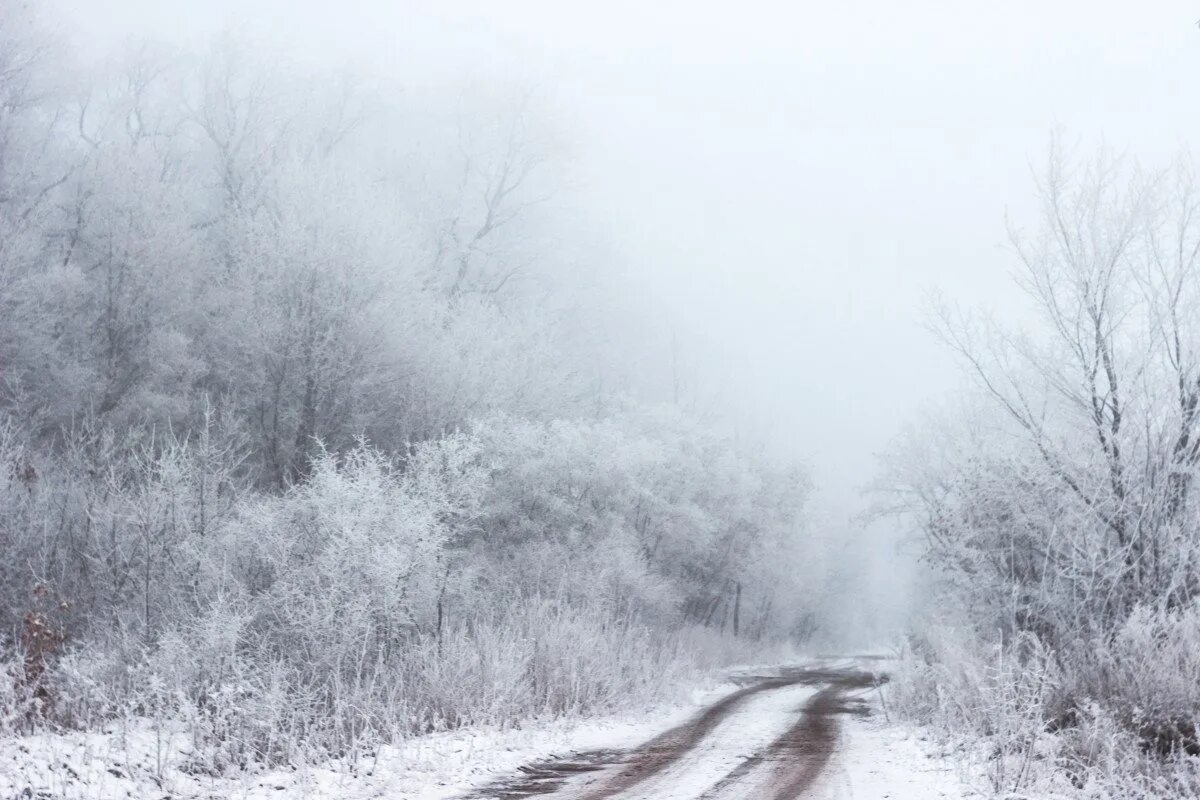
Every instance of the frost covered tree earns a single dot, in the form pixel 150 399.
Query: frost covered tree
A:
pixel 1057 505
pixel 304 434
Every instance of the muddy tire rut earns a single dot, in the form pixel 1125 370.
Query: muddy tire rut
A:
pixel 781 770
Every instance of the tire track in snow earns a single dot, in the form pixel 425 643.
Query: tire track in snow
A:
pixel 771 739
pixel 740 738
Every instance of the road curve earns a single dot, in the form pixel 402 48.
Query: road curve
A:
pixel 770 740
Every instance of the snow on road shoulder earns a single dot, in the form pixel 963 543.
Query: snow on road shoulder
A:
pixel 145 761
pixel 877 760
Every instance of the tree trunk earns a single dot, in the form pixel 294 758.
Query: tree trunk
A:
pixel 737 608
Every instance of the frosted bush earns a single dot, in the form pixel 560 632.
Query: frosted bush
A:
pixel 17 708
pixel 994 696
pixel 1148 676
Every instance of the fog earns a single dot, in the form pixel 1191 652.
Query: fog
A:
pixel 786 184
pixel 380 369
pixel 789 181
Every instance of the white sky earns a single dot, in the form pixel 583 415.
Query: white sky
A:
pixel 791 179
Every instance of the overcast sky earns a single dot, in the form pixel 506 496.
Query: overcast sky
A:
pixel 790 179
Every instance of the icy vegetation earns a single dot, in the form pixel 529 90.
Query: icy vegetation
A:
pixel 1062 630
pixel 349 448
pixel 316 433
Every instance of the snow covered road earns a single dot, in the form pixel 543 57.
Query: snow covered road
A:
pixel 815 731
pixel 802 733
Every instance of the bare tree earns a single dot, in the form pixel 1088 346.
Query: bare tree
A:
pixel 1086 493
pixel 495 190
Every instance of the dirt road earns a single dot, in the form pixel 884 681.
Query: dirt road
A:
pixel 770 740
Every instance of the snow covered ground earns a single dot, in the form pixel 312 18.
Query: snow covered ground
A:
pixel 880 761
pixel 751 730
pixel 140 762
pixel 873 760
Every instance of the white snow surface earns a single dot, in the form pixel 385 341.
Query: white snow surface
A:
pixel 143 761
pixel 757 723
pixel 874 760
